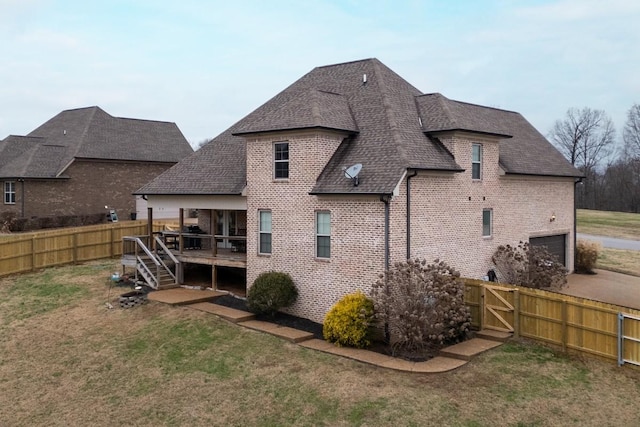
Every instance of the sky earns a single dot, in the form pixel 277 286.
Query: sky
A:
pixel 206 64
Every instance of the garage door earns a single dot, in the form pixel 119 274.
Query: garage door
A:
pixel 556 245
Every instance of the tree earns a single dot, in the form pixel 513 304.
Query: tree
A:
pixel 631 132
pixel 586 137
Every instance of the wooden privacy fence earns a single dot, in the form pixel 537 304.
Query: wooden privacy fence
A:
pixel 29 251
pixel 572 323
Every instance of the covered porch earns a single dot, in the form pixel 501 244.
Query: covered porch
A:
pixel 208 241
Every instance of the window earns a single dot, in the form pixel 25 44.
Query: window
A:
pixel 487 222
pixel 476 161
pixel 264 240
pixel 323 234
pixel 281 160
pixel 9 193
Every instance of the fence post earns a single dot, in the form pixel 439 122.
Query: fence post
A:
pixel 482 302
pixel 516 313
pixel 564 326
pixel 75 247
pixel 33 253
pixel 111 241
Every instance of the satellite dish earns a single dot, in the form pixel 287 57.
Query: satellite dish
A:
pixel 352 173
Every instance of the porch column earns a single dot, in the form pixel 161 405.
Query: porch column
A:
pixel 181 222
pixel 150 226
pixel 214 242
pixel 214 277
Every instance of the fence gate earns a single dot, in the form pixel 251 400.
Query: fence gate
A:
pixel 628 346
pixel 499 308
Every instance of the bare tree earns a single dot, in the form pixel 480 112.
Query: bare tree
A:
pixel 585 137
pixel 202 143
pixel 631 132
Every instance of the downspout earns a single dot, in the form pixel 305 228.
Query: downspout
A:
pixel 575 223
pixel 22 195
pixel 386 198
pixel 415 172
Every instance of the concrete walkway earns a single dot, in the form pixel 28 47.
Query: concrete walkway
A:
pixel 450 358
pixel 605 286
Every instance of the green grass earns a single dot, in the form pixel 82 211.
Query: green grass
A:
pixel 613 224
pixel 79 363
pixel 605 223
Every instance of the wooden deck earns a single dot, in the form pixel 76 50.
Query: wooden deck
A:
pixel 224 257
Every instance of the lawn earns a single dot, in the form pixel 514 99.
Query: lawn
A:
pixel 613 224
pixel 67 359
pixel 604 223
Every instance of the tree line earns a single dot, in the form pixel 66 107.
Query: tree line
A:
pixel 587 138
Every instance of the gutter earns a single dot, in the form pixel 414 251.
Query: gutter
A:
pixel 575 223
pixel 386 198
pixel 415 172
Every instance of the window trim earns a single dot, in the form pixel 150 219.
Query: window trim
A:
pixel 323 235
pixel 490 212
pixel 9 192
pixel 476 162
pixel 262 232
pixel 276 161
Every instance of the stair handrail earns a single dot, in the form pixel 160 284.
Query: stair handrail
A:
pixel 154 278
pixel 171 255
pixel 140 244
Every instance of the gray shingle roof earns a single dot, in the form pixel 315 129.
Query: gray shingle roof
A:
pixel 388 123
pixel 89 133
pixel 309 109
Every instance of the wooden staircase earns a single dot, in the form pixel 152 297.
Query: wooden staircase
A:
pixel 159 268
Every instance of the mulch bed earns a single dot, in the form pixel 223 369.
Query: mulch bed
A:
pixel 307 325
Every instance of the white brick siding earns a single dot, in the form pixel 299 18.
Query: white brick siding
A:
pixel 446 217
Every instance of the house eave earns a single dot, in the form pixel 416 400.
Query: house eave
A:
pixel 441 131
pixel 297 129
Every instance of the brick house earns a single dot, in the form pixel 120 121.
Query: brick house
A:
pixel 84 159
pixel 439 179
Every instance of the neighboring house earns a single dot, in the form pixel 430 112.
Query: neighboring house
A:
pixel 440 179
pixel 84 159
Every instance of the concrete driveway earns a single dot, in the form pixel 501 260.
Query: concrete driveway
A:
pixel 606 286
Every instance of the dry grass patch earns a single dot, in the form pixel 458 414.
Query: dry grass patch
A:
pixel 620 260
pixel 69 360
pixel 604 223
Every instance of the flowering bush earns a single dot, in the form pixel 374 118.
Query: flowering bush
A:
pixel 349 320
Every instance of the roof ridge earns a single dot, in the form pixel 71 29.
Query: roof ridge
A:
pixel 315 109
pixel 83 135
pixel 143 120
pixel 348 62
pixel 393 124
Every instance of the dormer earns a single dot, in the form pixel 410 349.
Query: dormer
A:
pixel 293 142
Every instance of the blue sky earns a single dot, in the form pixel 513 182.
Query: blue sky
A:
pixel 206 64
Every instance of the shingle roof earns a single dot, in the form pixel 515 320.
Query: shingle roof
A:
pixel 525 151
pixel 309 109
pixel 89 133
pixel 388 126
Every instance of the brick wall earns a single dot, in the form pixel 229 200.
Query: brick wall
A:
pixel 357 225
pixel 446 218
pixel 91 186
pixel 446 210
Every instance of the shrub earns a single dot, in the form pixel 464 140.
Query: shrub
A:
pixel 586 256
pixel 270 292
pixel 422 305
pixel 528 266
pixel 349 320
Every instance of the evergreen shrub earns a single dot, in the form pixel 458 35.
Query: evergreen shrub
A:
pixel 349 321
pixel 270 292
